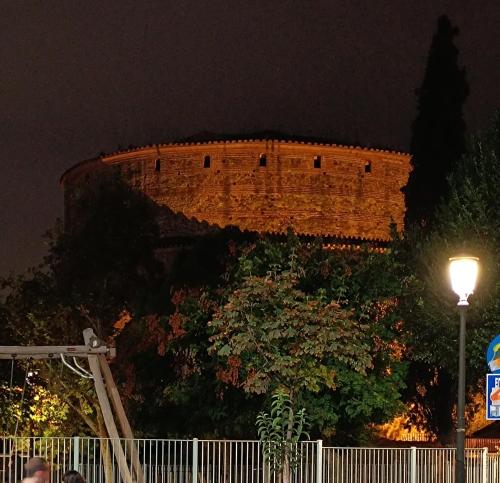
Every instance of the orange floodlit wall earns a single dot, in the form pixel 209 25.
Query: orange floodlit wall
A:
pixel 265 185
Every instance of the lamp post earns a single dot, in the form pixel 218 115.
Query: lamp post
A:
pixel 463 276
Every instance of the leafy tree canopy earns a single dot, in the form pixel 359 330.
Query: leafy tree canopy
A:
pixel 101 272
pixel 320 324
pixel 466 222
pixel 325 324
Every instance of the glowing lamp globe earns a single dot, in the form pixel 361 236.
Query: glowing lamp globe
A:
pixel 463 276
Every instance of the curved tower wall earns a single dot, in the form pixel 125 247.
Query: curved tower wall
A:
pixel 266 185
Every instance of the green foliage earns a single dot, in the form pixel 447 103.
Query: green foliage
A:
pixel 280 431
pixel 283 336
pixel 100 270
pixel 283 313
pixel 30 408
pixel 467 222
pixel 315 322
pixel 105 260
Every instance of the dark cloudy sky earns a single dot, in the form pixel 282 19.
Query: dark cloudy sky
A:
pixel 80 77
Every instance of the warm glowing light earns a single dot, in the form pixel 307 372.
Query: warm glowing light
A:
pixel 401 429
pixel 463 275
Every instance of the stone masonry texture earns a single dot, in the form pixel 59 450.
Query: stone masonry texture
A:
pixel 265 185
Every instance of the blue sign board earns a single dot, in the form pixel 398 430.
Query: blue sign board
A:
pixel 493 396
pixel 493 355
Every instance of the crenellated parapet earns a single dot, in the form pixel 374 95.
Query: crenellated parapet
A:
pixel 265 185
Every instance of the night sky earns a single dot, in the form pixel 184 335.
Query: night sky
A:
pixel 81 77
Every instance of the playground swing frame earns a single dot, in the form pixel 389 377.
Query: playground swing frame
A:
pixel 96 353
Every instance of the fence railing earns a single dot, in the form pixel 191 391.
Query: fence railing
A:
pixel 493 444
pixel 493 470
pixel 224 461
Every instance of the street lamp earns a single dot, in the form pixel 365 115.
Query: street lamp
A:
pixel 463 276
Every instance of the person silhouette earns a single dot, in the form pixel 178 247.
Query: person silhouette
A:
pixel 73 476
pixel 37 470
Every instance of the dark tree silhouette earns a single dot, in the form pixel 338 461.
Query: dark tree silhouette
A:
pixel 428 306
pixel 438 132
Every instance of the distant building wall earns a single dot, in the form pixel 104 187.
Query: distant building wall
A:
pixel 266 185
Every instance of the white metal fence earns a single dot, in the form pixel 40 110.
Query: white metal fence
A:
pixel 402 465
pixel 223 461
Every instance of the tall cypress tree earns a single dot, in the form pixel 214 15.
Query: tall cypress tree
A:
pixel 438 132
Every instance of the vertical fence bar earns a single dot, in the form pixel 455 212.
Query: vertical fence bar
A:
pixel 413 464
pixel 319 461
pixel 484 466
pixel 76 453
pixel 194 463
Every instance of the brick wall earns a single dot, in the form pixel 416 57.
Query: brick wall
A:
pixel 317 189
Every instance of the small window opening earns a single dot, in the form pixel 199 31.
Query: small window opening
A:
pixel 158 164
pixel 317 161
pixel 263 161
pixel 206 162
pixel 368 167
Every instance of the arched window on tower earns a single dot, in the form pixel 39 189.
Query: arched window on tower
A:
pixel 317 161
pixel 206 162
pixel 157 164
pixel 262 160
pixel 368 167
